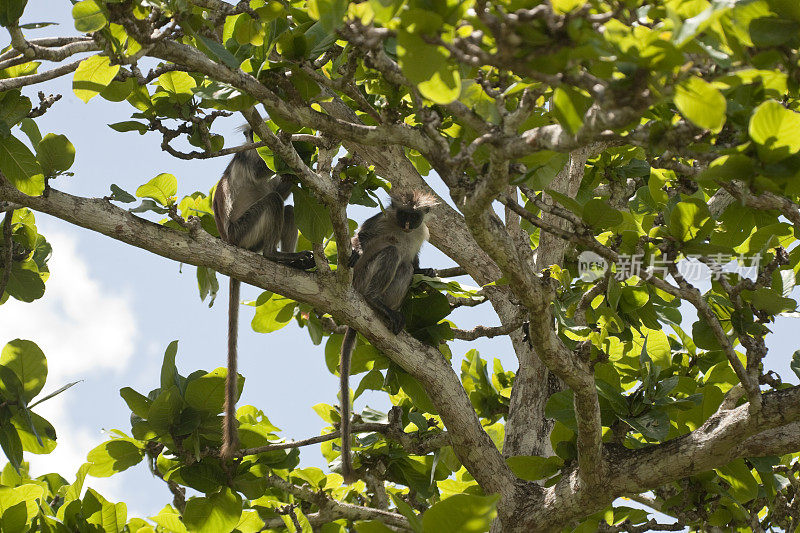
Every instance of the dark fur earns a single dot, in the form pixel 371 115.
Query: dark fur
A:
pixel 385 257
pixel 250 212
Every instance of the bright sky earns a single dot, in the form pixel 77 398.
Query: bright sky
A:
pixel 110 310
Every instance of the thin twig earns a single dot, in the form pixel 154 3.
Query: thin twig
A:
pixel 417 444
pixel 486 331
pixel 451 272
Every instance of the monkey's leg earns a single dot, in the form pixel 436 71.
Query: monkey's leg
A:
pixel 259 227
pixel 395 293
pixel 287 255
pixel 375 277
pixel 289 230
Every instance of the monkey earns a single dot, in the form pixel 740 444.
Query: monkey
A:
pixel 250 212
pixel 385 257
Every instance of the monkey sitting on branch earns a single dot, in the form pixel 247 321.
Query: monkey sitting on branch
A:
pixel 385 257
pixel 251 212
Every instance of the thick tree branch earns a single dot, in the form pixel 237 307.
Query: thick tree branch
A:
pixel 470 442
pixel 536 294
pixel 727 435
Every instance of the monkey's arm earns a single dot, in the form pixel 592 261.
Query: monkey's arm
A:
pixel 239 228
pixel 368 231
pixel 430 272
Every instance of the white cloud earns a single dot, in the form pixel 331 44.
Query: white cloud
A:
pixel 84 330
pixel 80 325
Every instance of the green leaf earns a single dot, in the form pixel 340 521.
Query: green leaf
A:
pixel 11 386
pixel 137 403
pixel 633 298
pixel 55 154
pixel 28 362
pixel 795 364
pixel 560 407
pixel 565 6
pixel 406 510
pixel 113 456
pixel 569 107
pixel 74 490
pixel 161 189
pixel 178 84
pixel 92 76
pixel 786 8
pixel 207 392
pixel 416 392
pixel 29 127
pixel 372 381
pixel 14 107
pixel 54 393
pixel 169 373
pixel 25 284
pixel 701 103
pixel 770 301
pixel 272 314
pixel 653 425
pixel 658 348
pixel 169 519
pixel 424 64
pixel 532 467
pixel 165 409
pixel 12 446
pixel 328 12
pixel 219 512
pixel 461 513
pixel 775 127
pixel 20 166
pixel 130 125
pixel 729 167
pixel 36 434
pixel 248 31
pixel 743 486
pixel 11 11
pixel 219 52
pixel 89 16
pixel 598 214
pixel 118 195
pixel 311 217
pixel 117 91
pixel 689 219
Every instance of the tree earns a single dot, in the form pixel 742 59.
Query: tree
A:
pixel 588 148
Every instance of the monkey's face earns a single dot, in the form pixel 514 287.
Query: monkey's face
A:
pixel 409 219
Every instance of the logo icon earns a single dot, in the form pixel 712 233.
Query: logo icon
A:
pixel 591 266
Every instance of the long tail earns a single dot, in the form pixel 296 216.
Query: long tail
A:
pixel 230 438
pixel 348 343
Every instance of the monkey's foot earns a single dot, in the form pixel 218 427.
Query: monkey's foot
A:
pixel 430 272
pixel 304 261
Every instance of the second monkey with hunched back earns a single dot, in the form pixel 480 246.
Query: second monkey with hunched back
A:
pixel 250 212
pixel 385 257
